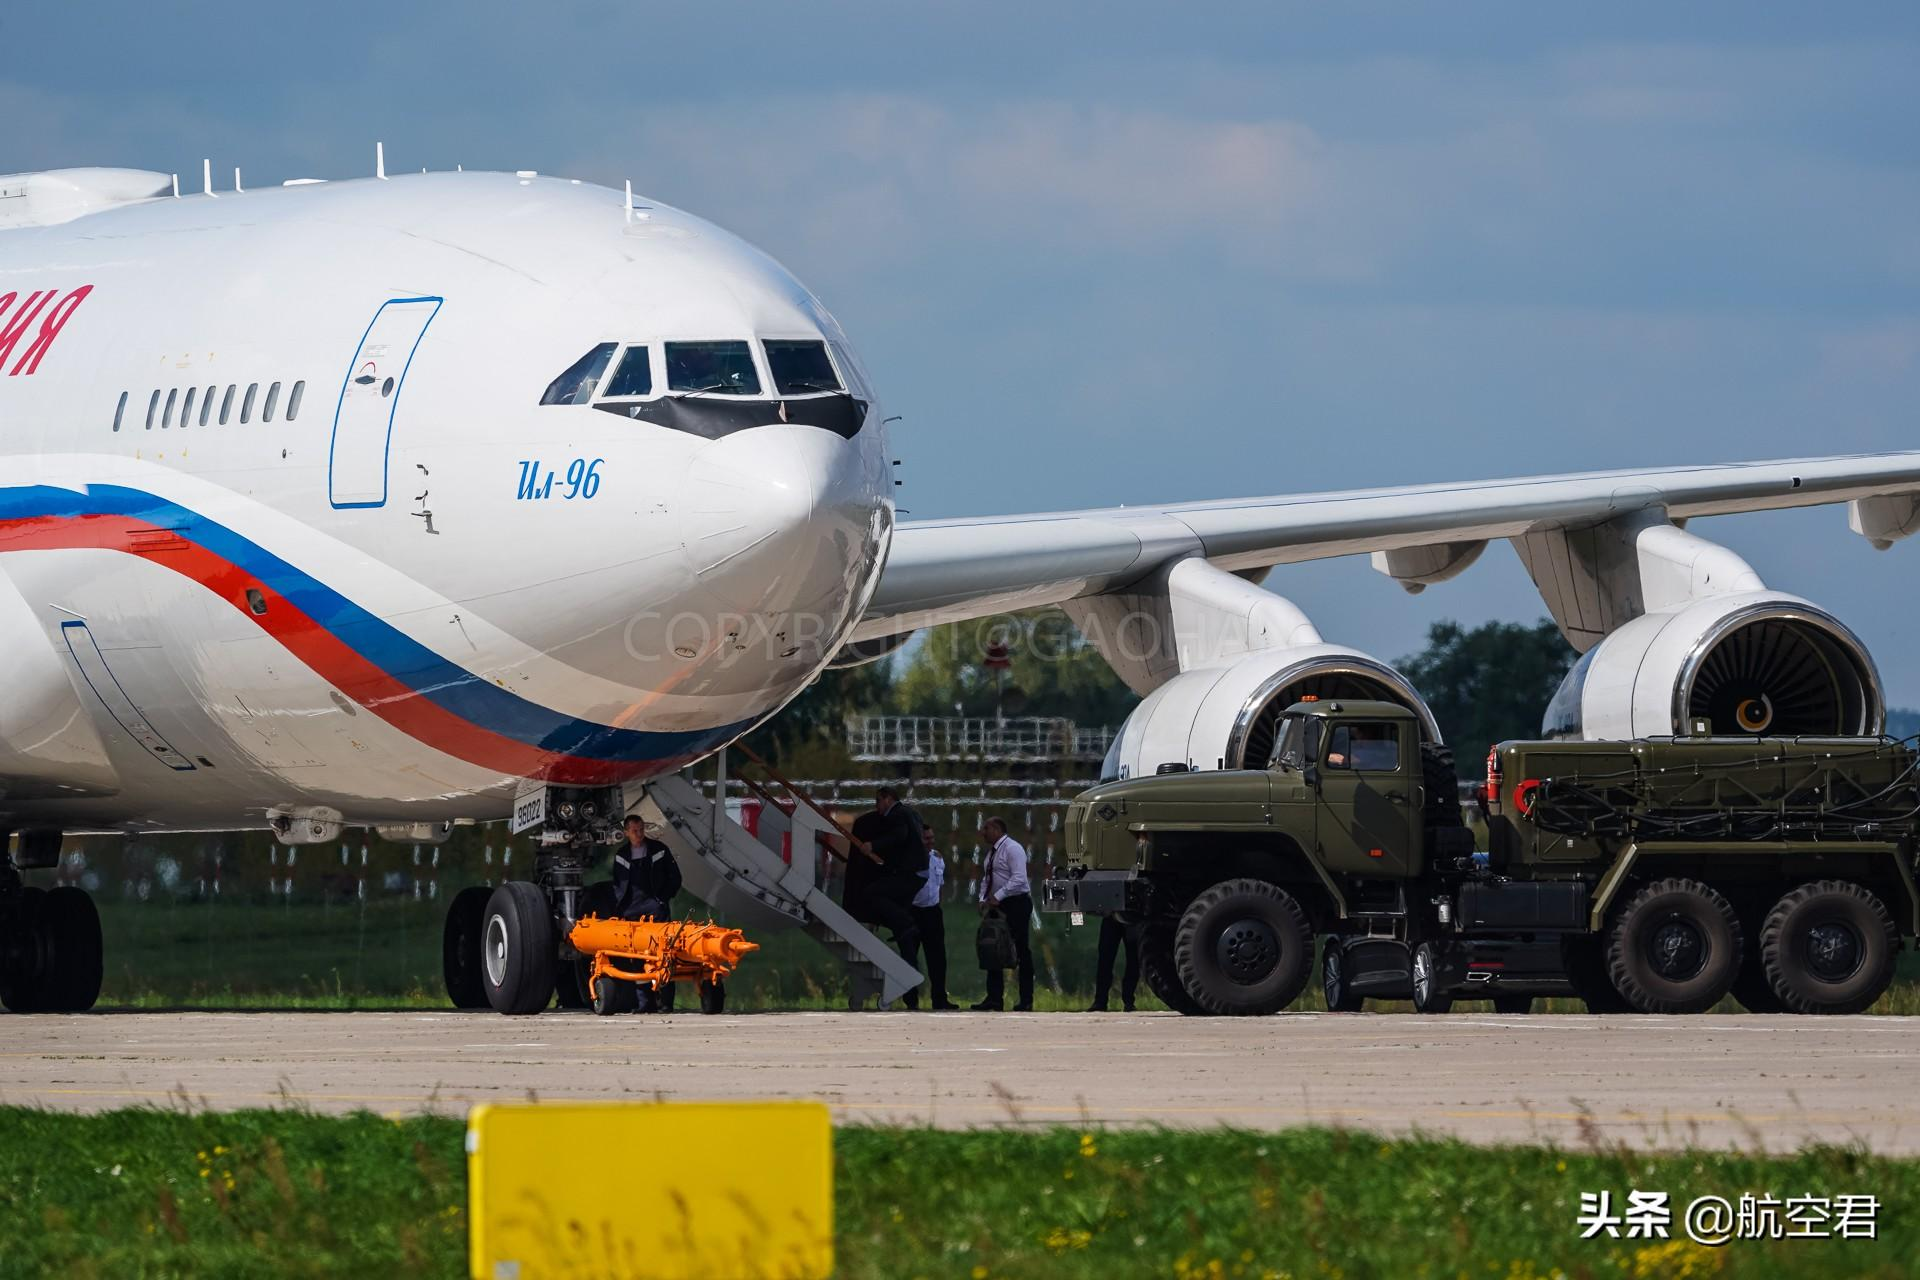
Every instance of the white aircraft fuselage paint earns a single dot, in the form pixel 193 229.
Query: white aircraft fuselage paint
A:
pixel 402 614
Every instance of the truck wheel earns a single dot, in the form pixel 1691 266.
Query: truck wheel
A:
pixel 1157 968
pixel 1333 979
pixel 713 996
pixel 1585 962
pixel 517 949
pixel 1828 947
pixel 1243 948
pixel 1427 995
pixel 1675 948
pixel 460 948
pixel 611 996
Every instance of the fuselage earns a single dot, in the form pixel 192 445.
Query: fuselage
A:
pixel 286 524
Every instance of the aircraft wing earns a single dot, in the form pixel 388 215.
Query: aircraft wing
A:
pixel 950 570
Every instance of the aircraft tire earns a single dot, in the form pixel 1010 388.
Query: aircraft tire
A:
pixel 1243 948
pixel 1675 947
pixel 460 948
pixel 1829 947
pixel 517 949
pixel 23 987
pixel 71 923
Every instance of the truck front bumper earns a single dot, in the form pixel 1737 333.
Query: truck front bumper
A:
pixel 1096 893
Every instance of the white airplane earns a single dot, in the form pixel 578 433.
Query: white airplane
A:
pixel 403 502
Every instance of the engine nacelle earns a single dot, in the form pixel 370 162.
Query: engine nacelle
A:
pixel 1225 716
pixel 1758 662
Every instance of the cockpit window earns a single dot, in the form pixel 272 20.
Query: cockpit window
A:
pixel 721 368
pixel 576 385
pixel 800 367
pixel 634 377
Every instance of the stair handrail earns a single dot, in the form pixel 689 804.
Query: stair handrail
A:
pixel 802 797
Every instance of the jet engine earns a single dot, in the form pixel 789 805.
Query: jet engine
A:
pixel 1225 716
pixel 1757 662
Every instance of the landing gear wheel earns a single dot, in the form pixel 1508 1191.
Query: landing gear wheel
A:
pixel 23 974
pixel 1585 962
pixel 1243 948
pixel 1156 967
pixel 1829 947
pixel 1675 948
pixel 1341 998
pixel 460 948
pixel 1427 995
pixel 1513 1005
pixel 611 996
pixel 57 964
pixel 713 996
pixel 570 978
pixel 517 949
pixel 72 926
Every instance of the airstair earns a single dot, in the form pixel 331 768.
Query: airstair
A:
pixel 764 881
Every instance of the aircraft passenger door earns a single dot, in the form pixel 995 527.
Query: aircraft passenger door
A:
pixel 1369 799
pixel 369 400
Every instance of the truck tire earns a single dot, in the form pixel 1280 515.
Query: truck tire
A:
pixel 1243 948
pixel 1341 998
pixel 1585 962
pixel 517 949
pixel 1675 947
pixel 460 948
pixel 1157 968
pixel 1427 995
pixel 1442 784
pixel 1829 947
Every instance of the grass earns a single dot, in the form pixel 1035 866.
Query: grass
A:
pixel 173 1194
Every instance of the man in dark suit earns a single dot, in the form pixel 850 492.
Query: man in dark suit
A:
pixel 883 894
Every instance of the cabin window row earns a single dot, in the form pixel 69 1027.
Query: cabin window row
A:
pixel 172 407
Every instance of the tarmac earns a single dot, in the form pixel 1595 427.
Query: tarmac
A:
pixel 1749 1082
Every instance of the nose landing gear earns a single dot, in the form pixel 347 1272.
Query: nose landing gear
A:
pixel 506 947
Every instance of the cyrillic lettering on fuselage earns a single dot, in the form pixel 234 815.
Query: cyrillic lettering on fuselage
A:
pixel 14 326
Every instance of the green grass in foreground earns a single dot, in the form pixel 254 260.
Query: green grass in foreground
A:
pixel 161 1194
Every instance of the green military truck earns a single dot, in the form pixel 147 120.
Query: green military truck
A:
pixel 1656 875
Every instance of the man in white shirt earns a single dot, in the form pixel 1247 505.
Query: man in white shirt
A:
pixel 931 923
pixel 1003 885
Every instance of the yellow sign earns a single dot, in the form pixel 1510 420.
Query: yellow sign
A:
pixel 650 1191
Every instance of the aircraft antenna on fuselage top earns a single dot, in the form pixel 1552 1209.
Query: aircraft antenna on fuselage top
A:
pixel 206 178
pixel 237 188
pixel 380 160
pixel 629 200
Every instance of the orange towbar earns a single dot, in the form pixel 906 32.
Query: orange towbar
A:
pixel 656 954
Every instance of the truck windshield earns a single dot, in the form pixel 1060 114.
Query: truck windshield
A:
pixel 1296 743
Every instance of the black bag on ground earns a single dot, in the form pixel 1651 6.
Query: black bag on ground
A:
pixel 994 941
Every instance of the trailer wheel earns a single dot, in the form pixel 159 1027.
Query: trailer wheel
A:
pixel 713 997
pixel 611 996
pixel 1675 947
pixel 1341 998
pixel 460 948
pixel 517 949
pixel 1427 995
pixel 1513 1005
pixel 1243 948
pixel 1829 947
pixel 1441 782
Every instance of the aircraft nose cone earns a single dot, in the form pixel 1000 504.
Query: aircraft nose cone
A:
pixel 783 524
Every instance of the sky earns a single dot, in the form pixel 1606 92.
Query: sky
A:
pixel 1119 252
